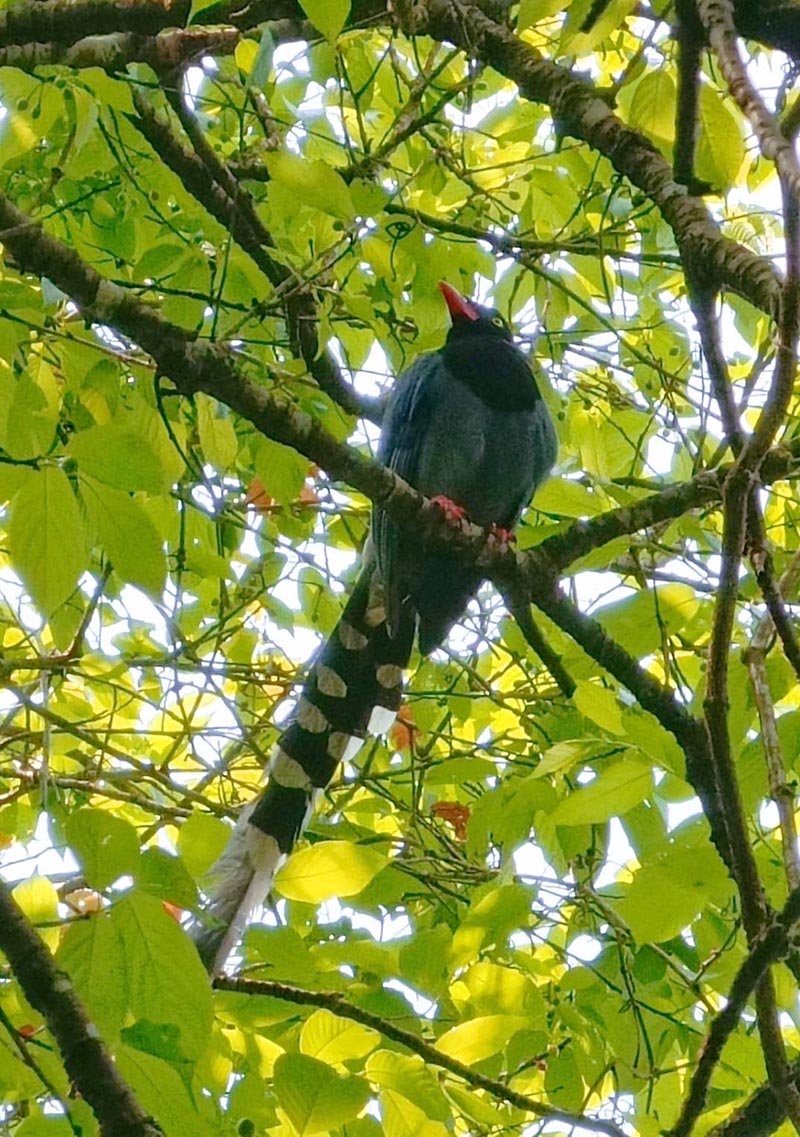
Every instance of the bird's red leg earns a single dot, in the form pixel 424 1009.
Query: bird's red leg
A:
pixel 449 508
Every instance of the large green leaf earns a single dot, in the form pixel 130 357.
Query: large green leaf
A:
pixel 328 16
pixel 330 868
pixel 163 1094
pixel 165 981
pixel 119 456
pixel 93 954
pixel 127 535
pixel 480 1038
pixel 612 793
pixel 332 1039
pixel 317 1099
pixel 313 183
pixel 409 1076
pixel 106 846
pixel 46 538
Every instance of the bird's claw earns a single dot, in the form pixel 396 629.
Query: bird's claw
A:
pixel 449 508
pixel 500 538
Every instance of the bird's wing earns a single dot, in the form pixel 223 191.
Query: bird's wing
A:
pixel 409 409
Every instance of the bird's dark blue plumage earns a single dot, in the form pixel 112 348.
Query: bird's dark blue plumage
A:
pixel 469 423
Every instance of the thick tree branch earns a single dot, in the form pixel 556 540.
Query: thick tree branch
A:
pixel 761 1114
pixel 769 948
pixel 113 52
pixel 86 1059
pixel 717 16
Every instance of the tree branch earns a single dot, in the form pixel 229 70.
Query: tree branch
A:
pixel 86 1058
pixel 582 113
pixel 769 948
pixel 333 1001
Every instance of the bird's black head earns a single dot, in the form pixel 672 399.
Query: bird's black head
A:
pixel 471 319
pixel 480 352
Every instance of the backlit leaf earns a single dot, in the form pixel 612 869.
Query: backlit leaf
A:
pixel 612 793
pixel 327 15
pixel 317 1099
pixel 46 538
pixel 327 869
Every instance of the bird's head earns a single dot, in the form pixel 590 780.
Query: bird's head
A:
pixel 471 319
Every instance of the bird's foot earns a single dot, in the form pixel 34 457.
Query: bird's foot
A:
pixel 500 538
pixel 449 508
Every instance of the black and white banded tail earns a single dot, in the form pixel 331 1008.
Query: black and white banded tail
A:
pixel 353 688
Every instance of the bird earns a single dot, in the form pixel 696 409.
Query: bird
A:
pixel 467 427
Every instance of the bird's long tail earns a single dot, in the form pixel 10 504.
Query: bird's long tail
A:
pixel 355 680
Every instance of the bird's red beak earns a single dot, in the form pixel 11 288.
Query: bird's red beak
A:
pixel 457 305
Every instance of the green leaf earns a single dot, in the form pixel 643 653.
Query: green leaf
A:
pixel 666 895
pixel 480 1038
pixel 261 66
pixel 313 183
pixel 563 497
pixel 46 538
pixel 327 16
pixel 652 108
pixel 720 148
pixel 106 846
pixel 127 535
pixel 494 989
pixel 600 705
pixel 423 959
pixel 612 793
pixel 201 839
pixel 119 457
pixel 327 869
pixel 657 906
pixel 532 11
pixel 29 421
pixel 319 607
pixel 38 1124
pixel 408 1075
pixel 281 470
pixel 403 1119
pixel 166 982
pixel 92 954
pixel 332 1039
pixel 638 620
pixel 490 918
pixel 314 1097
pixel 19 1082
pixel 217 435
pixel 37 898
pixel 166 877
pixel 161 1092
pixel 563 1080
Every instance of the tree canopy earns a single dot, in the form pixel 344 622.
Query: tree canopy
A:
pixel 560 891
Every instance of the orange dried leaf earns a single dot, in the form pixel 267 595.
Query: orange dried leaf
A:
pixel 308 495
pixel 257 496
pixel 455 814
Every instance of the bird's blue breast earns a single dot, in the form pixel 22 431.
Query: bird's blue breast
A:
pixel 480 435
